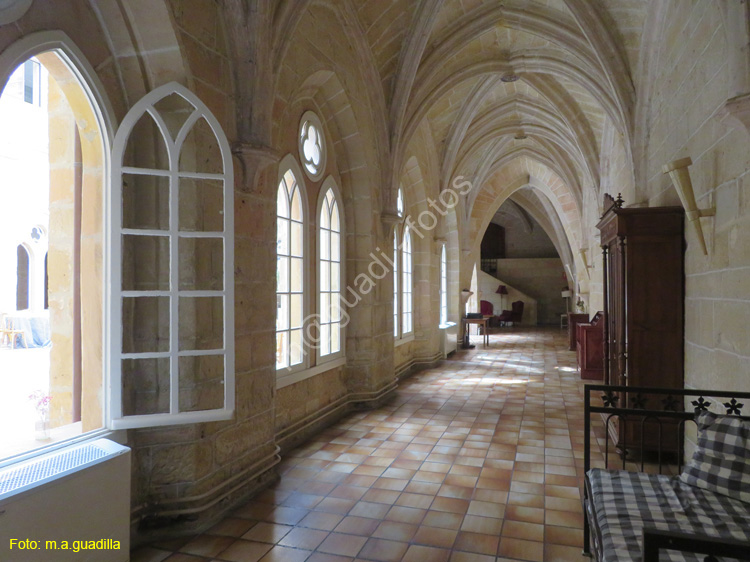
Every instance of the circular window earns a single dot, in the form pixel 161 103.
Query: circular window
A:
pixel 312 145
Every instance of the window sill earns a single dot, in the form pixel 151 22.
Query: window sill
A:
pixel 287 379
pixel 117 436
pixel 406 339
pixel 446 325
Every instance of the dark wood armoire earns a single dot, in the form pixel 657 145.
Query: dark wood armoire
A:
pixel 644 305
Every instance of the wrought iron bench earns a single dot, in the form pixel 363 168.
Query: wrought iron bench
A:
pixel 636 515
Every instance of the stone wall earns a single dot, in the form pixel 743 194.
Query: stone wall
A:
pixel 692 80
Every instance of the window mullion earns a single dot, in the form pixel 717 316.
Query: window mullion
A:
pixel 174 269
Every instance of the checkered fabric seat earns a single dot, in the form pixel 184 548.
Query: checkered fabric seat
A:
pixel 626 501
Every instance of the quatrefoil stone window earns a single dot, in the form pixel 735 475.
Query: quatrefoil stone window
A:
pixel 312 148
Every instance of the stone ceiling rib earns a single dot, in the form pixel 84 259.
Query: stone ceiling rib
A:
pixel 460 126
pixel 537 20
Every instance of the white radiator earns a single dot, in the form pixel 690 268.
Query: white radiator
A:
pixel 448 341
pixel 70 505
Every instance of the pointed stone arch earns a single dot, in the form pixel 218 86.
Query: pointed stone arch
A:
pixel 509 178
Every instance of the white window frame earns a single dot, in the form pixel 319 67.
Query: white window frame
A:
pixel 407 283
pixel 146 104
pixel 289 163
pixel 11 57
pixel 330 185
pixel 443 285
pixel 312 118
pixel 396 283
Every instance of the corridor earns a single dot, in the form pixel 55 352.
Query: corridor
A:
pixel 477 460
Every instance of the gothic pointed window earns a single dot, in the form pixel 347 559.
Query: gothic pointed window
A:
pixel 173 353
pixel 329 274
pixel 443 286
pixel 290 285
pixel 406 284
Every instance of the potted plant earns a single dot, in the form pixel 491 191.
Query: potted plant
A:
pixel 41 401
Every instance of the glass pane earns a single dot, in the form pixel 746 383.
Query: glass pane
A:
pixel 325 275
pixel 146 147
pixel 201 205
pixel 325 221
pixel 295 347
pixel 201 264
pixel 296 275
pixel 335 277
pixel 201 323
pixel 145 324
pixel 175 110
pixel 335 247
pixel 325 339
pixel 282 274
pixel 282 237
pixel 291 181
pixel 335 308
pixel 296 239
pixel 145 386
pixel 325 245
pixel 335 218
pixel 296 206
pixel 200 152
pixel 325 308
pixel 145 202
pixel 295 305
pixel 282 312
pixel 335 337
pixel 282 201
pixel 201 383
pixel 145 263
pixel 282 349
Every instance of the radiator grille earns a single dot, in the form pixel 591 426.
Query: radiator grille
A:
pixel 39 470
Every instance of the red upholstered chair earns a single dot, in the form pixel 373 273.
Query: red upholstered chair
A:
pixel 486 308
pixel 514 315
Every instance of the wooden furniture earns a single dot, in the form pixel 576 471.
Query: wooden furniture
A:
pixel 10 334
pixel 514 315
pixel 590 347
pixel 573 319
pixel 643 300
pixel 481 323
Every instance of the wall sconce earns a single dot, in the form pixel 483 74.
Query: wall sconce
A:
pixel 680 175
pixel 465 342
pixel 585 261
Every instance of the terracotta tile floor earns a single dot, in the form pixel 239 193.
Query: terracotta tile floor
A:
pixel 477 460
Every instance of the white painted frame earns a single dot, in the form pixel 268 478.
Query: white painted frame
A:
pixel 289 162
pixel 64 47
pixel 407 281
pixel 331 184
pixel 173 147
pixel 313 119
pixel 443 286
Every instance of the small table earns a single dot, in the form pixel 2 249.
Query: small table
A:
pixel 481 322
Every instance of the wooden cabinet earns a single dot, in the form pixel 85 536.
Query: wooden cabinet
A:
pixel 574 319
pixel 644 296
pixel 590 348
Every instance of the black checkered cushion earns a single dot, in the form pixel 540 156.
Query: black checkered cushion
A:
pixel 721 462
pixel 624 502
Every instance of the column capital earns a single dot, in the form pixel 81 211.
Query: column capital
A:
pixel 390 220
pixel 253 159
